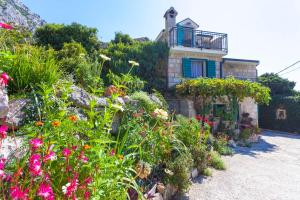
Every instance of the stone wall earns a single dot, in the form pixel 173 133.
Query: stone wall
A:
pixel 175 64
pixel 184 107
pixel 240 70
pixel 248 105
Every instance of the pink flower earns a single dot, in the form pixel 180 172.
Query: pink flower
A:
pixel 16 193
pixel 88 180
pixel 5 26
pixel 83 158
pixel 112 153
pixel 2 165
pixel 4 78
pixel 50 156
pixel 3 131
pixel 35 165
pixel 70 187
pixel 74 148
pixel 66 152
pixel 87 195
pixel 36 143
pixel 45 191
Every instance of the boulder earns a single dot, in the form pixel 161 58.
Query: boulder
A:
pixel 16 114
pixel 3 103
pixel 194 173
pixel 81 98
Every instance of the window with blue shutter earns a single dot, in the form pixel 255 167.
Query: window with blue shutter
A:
pixel 186 68
pixel 211 69
pixel 197 68
pixel 180 35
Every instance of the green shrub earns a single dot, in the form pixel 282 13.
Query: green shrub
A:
pixel 11 38
pixel 200 156
pixel 216 161
pixel 30 66
pixel 180 167
pixel 152 57
pixel 187 130
pixel 245 134
pixel 207 172
pixel 221 146
pixel 126 82
pixel 56 35
pixel 71 57
pixel 144 101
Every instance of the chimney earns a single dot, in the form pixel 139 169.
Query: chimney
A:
pixel 170 17
pixel 170 21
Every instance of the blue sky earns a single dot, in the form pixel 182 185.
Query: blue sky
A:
pixel 265 30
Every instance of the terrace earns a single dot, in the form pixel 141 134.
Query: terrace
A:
pixel 189 37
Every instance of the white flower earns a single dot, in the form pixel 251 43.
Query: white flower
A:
pixel 104 57
pixel 133 63
pixel 117 107
pixel 65 187
pixel 169 172
pixel 160 113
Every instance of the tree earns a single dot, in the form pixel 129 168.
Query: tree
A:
pixel 56 35
pixel 277 84
pixel 123 38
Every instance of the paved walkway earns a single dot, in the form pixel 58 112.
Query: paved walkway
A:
pixel 270 170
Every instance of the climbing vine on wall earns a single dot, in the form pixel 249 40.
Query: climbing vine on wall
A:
pixel 207 90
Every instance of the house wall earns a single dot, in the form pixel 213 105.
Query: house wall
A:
pixel 175 64
pixel 248 105
pixel 240 70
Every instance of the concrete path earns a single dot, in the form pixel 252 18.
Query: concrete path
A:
pixel 270 170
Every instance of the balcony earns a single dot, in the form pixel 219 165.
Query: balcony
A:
pixel 204 40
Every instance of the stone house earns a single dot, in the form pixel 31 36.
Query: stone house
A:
pixel 196 53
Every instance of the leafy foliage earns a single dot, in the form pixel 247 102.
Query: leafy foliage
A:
pixel 216 161
pixel 267 114
pixel 150 55
pixel 278 85
pixel 29 66
pixel 11 38
pixel 206 87
pixel 55 35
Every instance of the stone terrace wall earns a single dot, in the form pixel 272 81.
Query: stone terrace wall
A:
pixel 240 70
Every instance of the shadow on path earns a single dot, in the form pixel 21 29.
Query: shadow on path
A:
pixel 261 147
pixel 270 133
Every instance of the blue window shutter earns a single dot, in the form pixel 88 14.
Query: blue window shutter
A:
pixel 186 68
pixel 180 35
pixel 211 69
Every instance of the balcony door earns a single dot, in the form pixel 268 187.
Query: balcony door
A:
pixel 185 36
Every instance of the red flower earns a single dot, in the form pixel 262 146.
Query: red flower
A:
pixel 3 131
pixel 5 26
pixel 198 117
pixel 210 124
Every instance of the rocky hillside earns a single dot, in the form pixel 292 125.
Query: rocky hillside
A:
pixel 16 12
